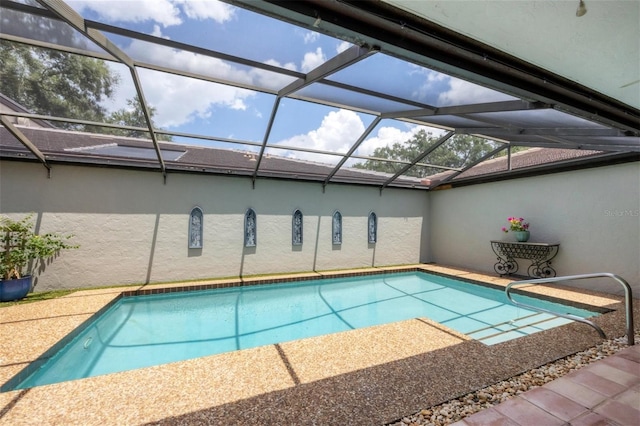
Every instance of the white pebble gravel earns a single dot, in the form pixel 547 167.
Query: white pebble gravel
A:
pixel 466 405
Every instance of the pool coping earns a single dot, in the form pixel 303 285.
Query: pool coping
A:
pixel 284 279
pixel 296 361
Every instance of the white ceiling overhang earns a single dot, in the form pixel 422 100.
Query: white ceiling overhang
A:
pixel 600 49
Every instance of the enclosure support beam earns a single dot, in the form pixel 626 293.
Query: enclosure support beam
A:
pixel 25 141
pixel 470 165
pixel 267 132
pixel 419 158
pixel 333 65
pixel 353 149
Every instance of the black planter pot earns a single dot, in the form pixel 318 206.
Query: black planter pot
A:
pixel 15 289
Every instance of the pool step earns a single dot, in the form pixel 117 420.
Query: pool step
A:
pixel 493 326
pixel 516 328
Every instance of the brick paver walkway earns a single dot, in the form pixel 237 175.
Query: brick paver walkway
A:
pixel 606 392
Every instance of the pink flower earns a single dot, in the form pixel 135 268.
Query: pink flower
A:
pixel 516 224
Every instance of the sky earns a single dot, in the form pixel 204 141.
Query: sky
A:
pixel 195 106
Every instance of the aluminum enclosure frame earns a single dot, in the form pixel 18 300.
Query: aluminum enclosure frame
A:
pixel 378 28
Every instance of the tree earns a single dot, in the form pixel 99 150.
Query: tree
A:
pixel 61 84
pixel 55 83
pixel 132 116
pixel 455 152
pixel 51 82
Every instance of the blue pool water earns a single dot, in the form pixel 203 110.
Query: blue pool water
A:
pixel 143 331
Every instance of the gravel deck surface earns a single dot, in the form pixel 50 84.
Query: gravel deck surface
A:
pixel 370 376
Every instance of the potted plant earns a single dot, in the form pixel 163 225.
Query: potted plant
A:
pixel 519 227
pixel 21 247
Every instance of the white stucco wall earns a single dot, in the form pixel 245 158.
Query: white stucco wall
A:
pixel 133 228
pixel 594 214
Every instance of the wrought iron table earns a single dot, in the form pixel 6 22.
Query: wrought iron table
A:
pixel 540 255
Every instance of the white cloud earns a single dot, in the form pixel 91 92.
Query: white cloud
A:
pixel 338 131
pixel 343 46
pixel 161 11
pixel 433 83
pixel 178 100
pixel 270 80
pixel 430 75
pixel 387 136
pixel 164 12
pixel 462 92
pixel 207 9
pixel 192 97
pixel 187 61
pixel 310 37
pixel 312 60
pixel 157 32
pixel 444 90
pixel 238 104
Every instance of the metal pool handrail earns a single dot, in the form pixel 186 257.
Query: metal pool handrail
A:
pixel 628 300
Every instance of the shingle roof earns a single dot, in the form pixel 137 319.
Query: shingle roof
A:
pixel 8 104
pixel 530 161
pixel 62 145
pixel 530 157
pixel 68 146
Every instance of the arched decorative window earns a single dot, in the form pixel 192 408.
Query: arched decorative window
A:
pixel 373 228
pixel 195 228
pixel 337 228
pixel 250 227
pixel 296 228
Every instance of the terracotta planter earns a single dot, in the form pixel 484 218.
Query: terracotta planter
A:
pixel 15 289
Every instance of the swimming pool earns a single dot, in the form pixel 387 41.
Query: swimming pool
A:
pixel 149 330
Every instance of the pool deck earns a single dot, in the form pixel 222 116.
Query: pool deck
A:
pixel 368 376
